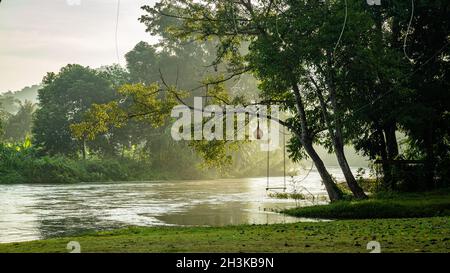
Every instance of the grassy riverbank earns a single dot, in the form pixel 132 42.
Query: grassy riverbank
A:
pixel 394 235
pixel 405 205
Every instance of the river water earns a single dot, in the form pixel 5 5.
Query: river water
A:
pixel 31 212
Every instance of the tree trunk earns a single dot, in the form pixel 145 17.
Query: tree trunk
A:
pixel 357 191
pixel 387 170
pixel 333 191
pixel 336 134
pixel 305 139
pixel 391 141
pixel 389 152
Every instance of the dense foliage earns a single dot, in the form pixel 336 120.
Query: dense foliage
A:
pixel 354 82
pixel 23 164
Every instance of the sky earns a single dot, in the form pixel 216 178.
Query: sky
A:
pixel 39 36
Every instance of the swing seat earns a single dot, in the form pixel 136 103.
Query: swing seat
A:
pixel 276 188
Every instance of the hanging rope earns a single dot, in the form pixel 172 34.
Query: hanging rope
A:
pixel 343 28
pixel 117 32
pixel 278 33
pixel 284 165
pixel 407 32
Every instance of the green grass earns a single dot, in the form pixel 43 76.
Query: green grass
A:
pixel 382 205
pixel 394 235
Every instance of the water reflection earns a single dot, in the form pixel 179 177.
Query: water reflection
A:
pixel 226 214
pixel 29 212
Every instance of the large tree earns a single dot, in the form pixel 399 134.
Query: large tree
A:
pixel 426 119
pixel 62 101
pixel 402 84
pixel 295 60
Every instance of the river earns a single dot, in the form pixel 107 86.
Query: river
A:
pixel 31 212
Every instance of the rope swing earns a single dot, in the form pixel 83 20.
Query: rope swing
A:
pixel 284 166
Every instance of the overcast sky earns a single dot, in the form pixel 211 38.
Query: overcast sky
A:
pixel 38 36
